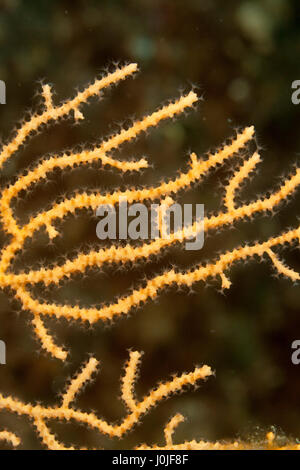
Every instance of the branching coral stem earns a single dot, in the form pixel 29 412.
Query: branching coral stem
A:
pixel 153 286
pixel 54 113
pixel 40 414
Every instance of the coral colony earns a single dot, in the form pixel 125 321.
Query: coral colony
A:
pixel 20 283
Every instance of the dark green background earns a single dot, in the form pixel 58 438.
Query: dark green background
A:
pixel 241 56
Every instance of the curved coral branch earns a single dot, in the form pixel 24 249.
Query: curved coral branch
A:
pixel 79 381
pixel 238 178
pixel 128 381
pixel 46 339
pixel 10 437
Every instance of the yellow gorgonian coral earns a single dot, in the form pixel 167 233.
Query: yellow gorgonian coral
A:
pixel 21 282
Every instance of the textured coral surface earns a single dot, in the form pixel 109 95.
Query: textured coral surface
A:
pixel 241 318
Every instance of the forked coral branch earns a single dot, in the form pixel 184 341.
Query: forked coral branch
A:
pixel 40 415
pixel 21 282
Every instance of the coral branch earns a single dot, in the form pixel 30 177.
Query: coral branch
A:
pixel 170 428
pixel 55 113
pixel 198 169
pixel 281 268
pixel 269 443
pixel 41 414
pixel 10 437
pixel 127 386
pixel 79 380
pixel 237 179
